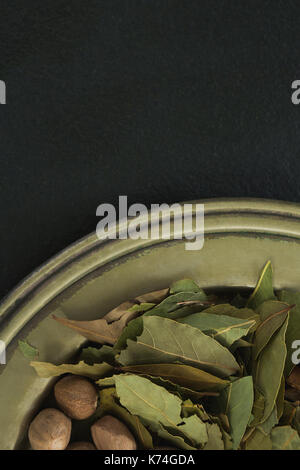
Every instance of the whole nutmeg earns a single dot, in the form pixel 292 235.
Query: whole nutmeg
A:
pixel 81 445
pixel 50 430
pixel 109 433
pixel 76 396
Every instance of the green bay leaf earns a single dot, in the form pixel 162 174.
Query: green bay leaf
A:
pixel 226 330
pixel 155 297
pixel 215 438
pixel 109 405
pixel 237 402
pixel 173 439
pixel 223 423
pixel 142 307
pixel 184 285
pixel 171 308
pixel 149 298
pixel 258 441
pixel 131 331
pixel 273 314
pixel 28 351
pixel 92 355
pixel 264 288
pixel 179 390
pixel 280 398
pixel 46 369
pixel 267 375
pixel 267 426
pixel 118 312
pixel 195 430
pixel 156 407
pixel 188 408
pixel 214 430
pixel 164 340
pixel 293 329
pixel 285 438
pixel 184 375
pixel 106 382
pixel 99 331
pixel 231 311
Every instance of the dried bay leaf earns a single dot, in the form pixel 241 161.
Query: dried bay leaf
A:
pixel 184 375
pixel 273 314
pixel 164 340
pixel 293 329
pixel 258 406
pixel 196 303
pixel 109 328
pixel 213 426
pixel 272 308
pixel 184 285
pixel 196 372
pixel 267 374
pixel 240 343
pixel 267 426
pixel 99 331
pixel 231 311
pixel 280 398
pixel 156 407
pixel 223 423
pixel 46 369
pixel 106 382
pixel 258 441
pixel 148 400
pixel 188 408
pixel 142 307
pixel 170 307
pixel 28 351
pixel 194 429
pixel 182 392
pixel 117 312
pixel 139 304
pixel 285 438
pixel 92 355
pixel 131 331
pixel 109 405
pixel 264 288
pixel 215 438
pixel 237 401
pixel 176 441
pixel 155 297
pixel 226 330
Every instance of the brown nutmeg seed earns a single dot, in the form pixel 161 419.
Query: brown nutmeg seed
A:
pixel 76 396
pixel 109 433
pixel 81 446
pixel 50 430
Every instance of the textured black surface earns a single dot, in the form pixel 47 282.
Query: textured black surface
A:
pixel 160 100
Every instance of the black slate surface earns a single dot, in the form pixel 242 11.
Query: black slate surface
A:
pixel 160 100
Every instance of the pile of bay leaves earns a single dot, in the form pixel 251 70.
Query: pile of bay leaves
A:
pixel 197 371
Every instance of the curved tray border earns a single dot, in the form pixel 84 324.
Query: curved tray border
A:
pixel 252 217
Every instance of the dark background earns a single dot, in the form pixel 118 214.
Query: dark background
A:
pixel 160 100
